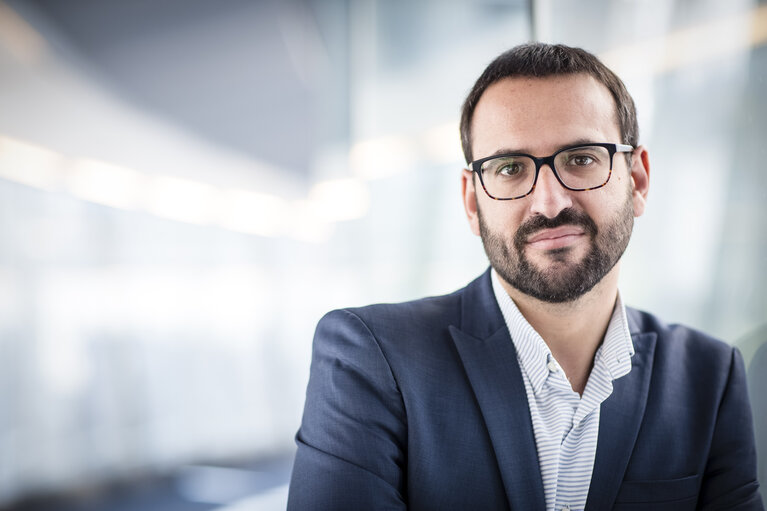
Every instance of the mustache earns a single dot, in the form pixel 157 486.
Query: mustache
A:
pixel 567 216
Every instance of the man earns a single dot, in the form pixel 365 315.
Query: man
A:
pixel 533 388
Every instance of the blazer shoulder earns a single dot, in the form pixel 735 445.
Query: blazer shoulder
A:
pixel 414 315
pixel 642 322
pixel 679 343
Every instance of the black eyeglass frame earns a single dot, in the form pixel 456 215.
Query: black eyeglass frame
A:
pixel 476 166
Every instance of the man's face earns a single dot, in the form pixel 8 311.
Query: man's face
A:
pixel 555 244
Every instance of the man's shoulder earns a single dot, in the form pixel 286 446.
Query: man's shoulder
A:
pixel 422 313
pixel 401 332
pixel 422 321
pixel 675 342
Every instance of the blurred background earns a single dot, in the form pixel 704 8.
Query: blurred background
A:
pixel 186 186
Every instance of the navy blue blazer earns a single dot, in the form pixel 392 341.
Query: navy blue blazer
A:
pixel 421 406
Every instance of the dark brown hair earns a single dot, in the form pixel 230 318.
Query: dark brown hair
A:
pixel 539 60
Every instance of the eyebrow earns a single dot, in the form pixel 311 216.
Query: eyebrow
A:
pixel 573 143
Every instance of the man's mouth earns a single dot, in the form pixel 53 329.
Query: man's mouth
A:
pixel 558 237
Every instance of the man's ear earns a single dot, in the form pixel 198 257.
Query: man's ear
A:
pixel 470 200
pixel 640 179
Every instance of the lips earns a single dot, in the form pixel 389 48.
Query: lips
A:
pixel 557 237
pixel 568 227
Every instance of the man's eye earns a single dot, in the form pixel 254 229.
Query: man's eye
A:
pixel 510 169
pixel 581 160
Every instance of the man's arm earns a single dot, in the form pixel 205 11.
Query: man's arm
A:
pixel 729 481
pixel 352 440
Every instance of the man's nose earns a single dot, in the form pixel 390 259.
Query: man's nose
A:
pixel 549 196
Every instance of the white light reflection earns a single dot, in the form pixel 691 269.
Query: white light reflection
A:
pixel 107 184
pixel 30 164
pixel 252 212
pixel 306 223
pixel 382 157
pixel 181 199
pixel 186 200
pixel 340 199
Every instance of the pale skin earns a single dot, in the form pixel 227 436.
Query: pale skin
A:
pixel 538 116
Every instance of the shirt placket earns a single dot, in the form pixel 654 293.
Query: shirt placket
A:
pixel 557 389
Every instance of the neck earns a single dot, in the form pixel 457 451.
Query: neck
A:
pixel 573 331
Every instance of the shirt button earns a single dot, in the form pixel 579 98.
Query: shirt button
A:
pixel 552 365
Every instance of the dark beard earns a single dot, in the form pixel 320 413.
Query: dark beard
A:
pixel 561 282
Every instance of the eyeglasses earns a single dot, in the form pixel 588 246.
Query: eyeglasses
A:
pixel 578 168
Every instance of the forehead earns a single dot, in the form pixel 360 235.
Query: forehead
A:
pixel 540 115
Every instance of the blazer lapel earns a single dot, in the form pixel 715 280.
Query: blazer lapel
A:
pixel 619 420
pixel 490 361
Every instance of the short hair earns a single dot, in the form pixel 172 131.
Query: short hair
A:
pixel 539 60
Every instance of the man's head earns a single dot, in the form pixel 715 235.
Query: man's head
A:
pixel 538 60
pixel 554 244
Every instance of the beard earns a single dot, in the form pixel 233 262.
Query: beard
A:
pixel 563 280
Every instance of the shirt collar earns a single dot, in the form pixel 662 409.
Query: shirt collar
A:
pixel 613 355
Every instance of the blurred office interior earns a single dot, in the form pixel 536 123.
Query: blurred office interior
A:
pixel 186 186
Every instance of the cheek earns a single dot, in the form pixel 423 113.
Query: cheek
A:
pixel 500 217
pixel 610 206
pixel 605 202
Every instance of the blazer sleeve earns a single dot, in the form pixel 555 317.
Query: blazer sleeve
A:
pixel 729 481
pixel 352 439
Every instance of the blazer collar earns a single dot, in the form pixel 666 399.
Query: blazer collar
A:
pixel 488 356
pixel 480 315
pixel 490 361
pixel 619 421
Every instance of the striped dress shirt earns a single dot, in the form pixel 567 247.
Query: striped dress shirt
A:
pixel 566 424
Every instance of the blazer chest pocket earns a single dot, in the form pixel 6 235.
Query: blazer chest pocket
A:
pixel 672 494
